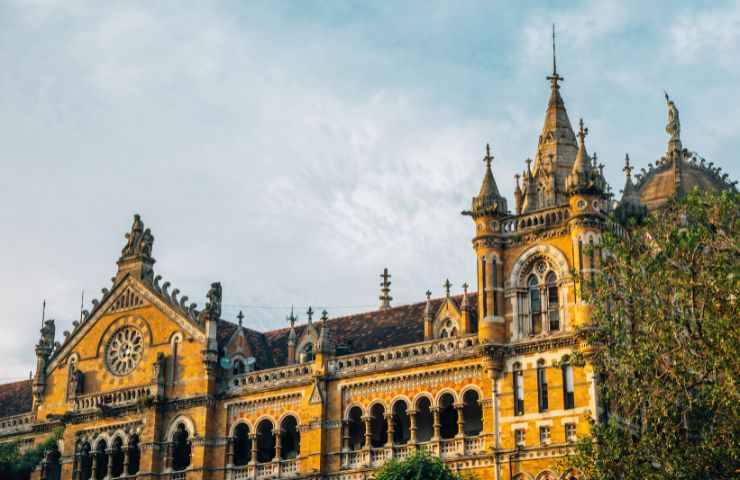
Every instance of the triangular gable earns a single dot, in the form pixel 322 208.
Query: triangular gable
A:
pixel 448 309
pixel 122 296
pixel 317 396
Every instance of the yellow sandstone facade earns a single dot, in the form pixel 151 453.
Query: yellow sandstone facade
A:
pixel 148 385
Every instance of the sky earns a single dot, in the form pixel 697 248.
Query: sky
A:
pixel 292 150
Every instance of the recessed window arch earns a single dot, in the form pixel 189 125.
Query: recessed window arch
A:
pixel 472 413
pixel 85 460
pixel 447 416
pixel 424 420
pixel 238 366
pixel 242 444
pixel 265 441
pixel 101 460
pixel 518 388
pixel 117 457
pixel 307 353
pixel 401 423
pixel 378 426
pixel 290 438
pixel 181 447
pixel 134 455
pixel 355 429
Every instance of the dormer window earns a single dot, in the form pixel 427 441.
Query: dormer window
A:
pixel 307 354
pixel 448 329
pixel 239 367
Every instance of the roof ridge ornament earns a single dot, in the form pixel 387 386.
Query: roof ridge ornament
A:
pixel 385 290
pixel 555 77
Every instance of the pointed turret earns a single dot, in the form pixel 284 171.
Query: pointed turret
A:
pixel 629 205
pixel 489 201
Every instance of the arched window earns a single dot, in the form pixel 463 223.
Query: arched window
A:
pixel 538 301
pixel 356 428
pixel 448 329
pixel 242 445
pixel 52 466
pixel 553 302
pixel 265 441
pixel 535 306
pixel 378 426
pixel 542 400
pixel 181 448
pixel 568 386
pixel 307 355
pixel 134 455
pixel 85 461
pixel 290 438
pixel 239 367
pixel 518 387
pixel 424 420
pixel 472 414
pixel 117 458
pixel 447 416
pixel 401 423
pixel 101 460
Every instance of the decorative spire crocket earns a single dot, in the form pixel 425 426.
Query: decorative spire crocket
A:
pixel 385 290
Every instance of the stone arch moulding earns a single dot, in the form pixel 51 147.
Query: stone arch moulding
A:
pixel 268 418
pixel 286 414
pixel 444 391
pixel 241 421
pixel 400 398
pixel 548 251
pixel 350 407
pixel 184 419
pixel 378 401
pixel 421 395
pixel 473 387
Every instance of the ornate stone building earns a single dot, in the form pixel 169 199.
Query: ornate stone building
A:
pixel 148 385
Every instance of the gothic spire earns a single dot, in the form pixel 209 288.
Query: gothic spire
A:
pixel 557 137
pixel 489 200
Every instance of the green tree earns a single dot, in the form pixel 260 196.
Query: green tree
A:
pixel 417 467
pixel 15 465
pixel 665 342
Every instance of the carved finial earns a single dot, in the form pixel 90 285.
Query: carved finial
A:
pixel 594 160
pixel 309 314
pixel 385 290
pixel 627 167
pixel 465 287
pixel 582 131
pixel 516 180
pixel 601 169
pixel 429 295
pixel 291 318
pixel 554 78
pixel 447 286
pixel 464 303
pixel 240 317
pixel 529 167
pixel 488 158
pixel 324 317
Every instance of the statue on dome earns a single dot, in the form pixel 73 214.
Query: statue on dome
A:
pixel 673 128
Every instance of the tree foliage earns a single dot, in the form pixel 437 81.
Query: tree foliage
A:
pixel 15 465
pixel 664 342
pixel 418 467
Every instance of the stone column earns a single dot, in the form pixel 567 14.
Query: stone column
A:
pixel 437 425
pixel 126 451
pixel 389 420
pixel 345 436
pixel 76 466
pixel 94 470
pixel 229 452
pixel 460 420
pixel 278 445
pixel 168 457
pixel 253 459
pixel 412 418
pixel 368 430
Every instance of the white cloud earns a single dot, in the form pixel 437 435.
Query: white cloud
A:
pixel 709 36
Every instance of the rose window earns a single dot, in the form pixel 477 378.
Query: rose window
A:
pixel 124 351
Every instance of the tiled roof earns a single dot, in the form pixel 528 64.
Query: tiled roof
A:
pixel 15 398
pixel 368 330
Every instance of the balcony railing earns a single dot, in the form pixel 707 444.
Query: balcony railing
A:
pixel 17 423
pixel 114 398
pixel 274 469
pixel 446 449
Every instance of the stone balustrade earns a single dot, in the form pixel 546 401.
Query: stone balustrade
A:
pixel 421 352
pixel 17 423
pixel 542 218
pixel 274 469
pixel 113 398
pixel 269 378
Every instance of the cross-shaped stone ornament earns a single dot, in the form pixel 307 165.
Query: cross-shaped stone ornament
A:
pixel 309 313
pixel 240 317
pixel 447 286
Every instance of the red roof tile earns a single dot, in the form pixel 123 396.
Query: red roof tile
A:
pixel 15 398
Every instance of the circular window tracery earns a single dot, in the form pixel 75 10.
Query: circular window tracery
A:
pixel 124 351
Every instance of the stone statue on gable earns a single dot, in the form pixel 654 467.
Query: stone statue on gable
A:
pixel 213 307
pixel 673 128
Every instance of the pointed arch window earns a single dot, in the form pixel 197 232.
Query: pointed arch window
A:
pixel 535 305
pixel 553 302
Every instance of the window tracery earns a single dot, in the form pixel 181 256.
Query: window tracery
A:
pixel 538 300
